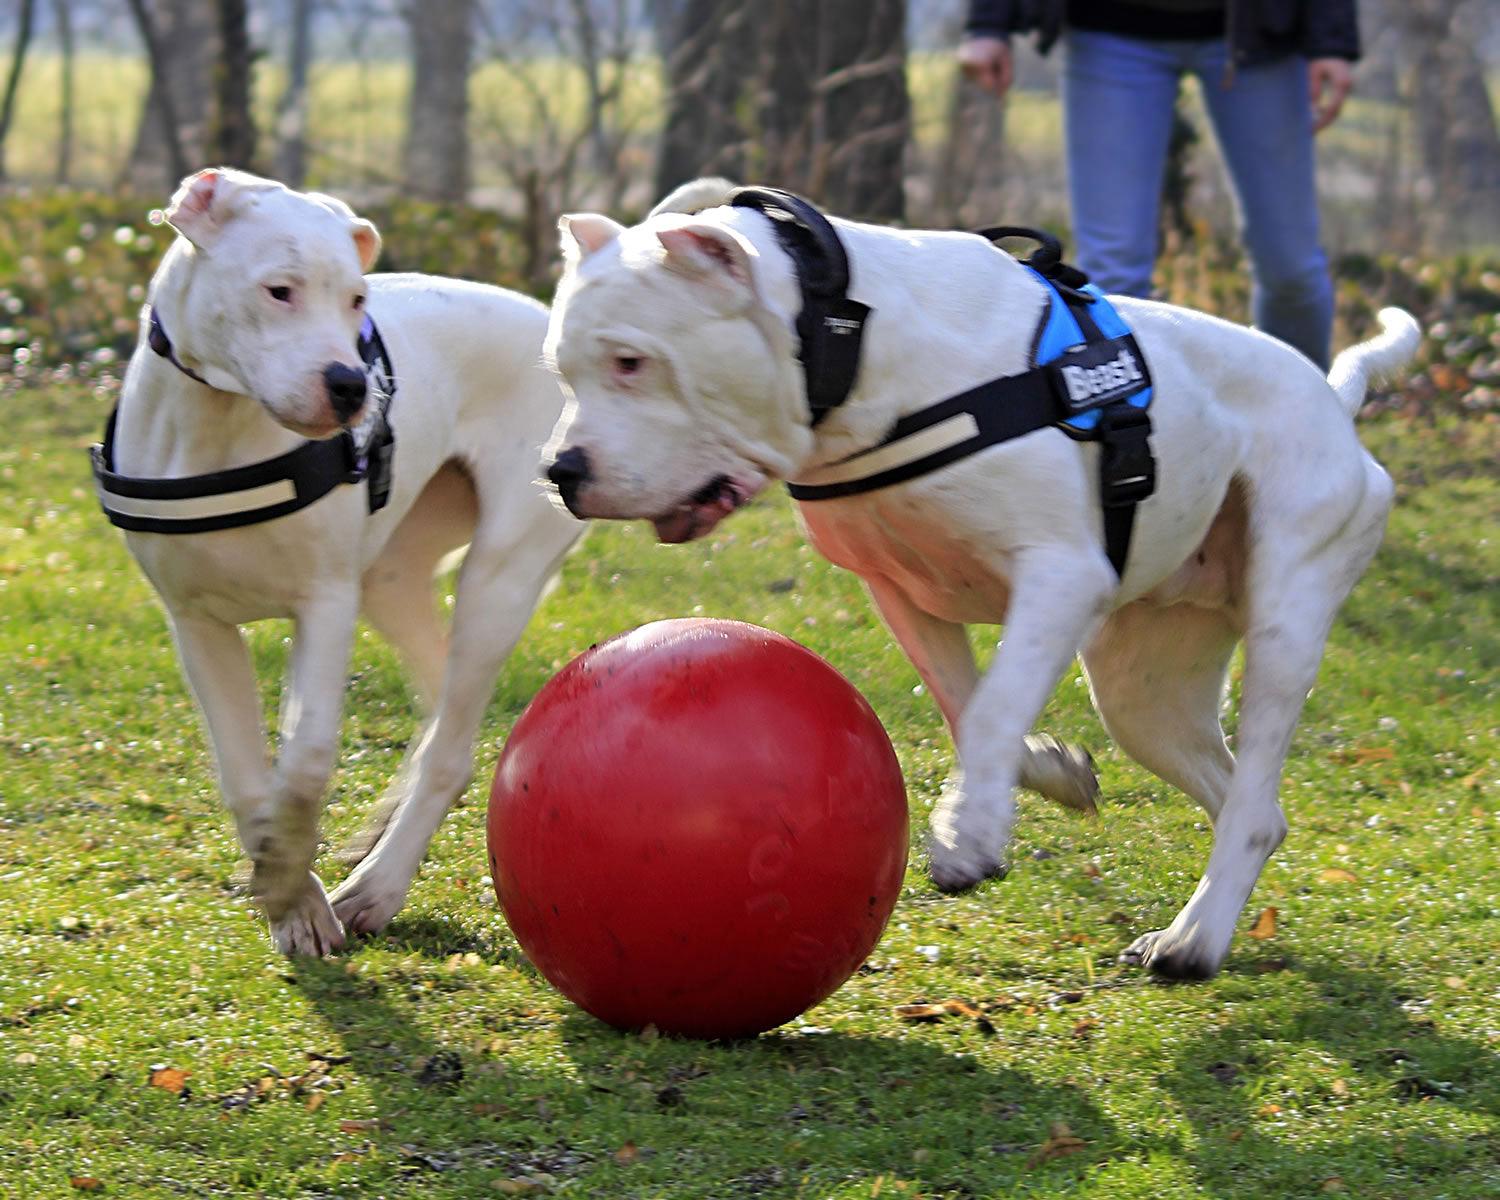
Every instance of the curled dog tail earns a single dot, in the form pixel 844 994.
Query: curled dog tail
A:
pixel 1353 370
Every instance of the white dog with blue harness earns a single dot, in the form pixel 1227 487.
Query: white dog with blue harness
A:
pixel 953 441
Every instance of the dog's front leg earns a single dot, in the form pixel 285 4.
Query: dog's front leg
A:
pixel 219 670
pixel 284 838
pixel 1057 596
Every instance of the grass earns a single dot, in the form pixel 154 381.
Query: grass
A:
pixel 1354 1051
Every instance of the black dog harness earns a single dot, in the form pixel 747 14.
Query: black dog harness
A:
pixel 260 491
pixel 1087 377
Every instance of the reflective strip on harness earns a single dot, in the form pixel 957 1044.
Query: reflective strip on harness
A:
pixel 263 491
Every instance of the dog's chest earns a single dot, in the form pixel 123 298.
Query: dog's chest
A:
pixel 949 572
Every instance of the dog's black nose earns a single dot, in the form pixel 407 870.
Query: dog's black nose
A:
pixel 569 472
pixel 346 389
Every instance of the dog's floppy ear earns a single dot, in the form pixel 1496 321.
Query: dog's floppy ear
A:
pixel 205 201
pixel 703 250
pixel 583 234
pixel 367 242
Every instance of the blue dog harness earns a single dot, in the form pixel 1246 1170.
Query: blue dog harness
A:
pixel 1087 377
pixel 260 491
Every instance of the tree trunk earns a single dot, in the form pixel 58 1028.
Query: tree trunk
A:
pixel 863 86
pixel 833 106
pixel 437 135
pixel 1454 121
pixel 291 115
pixel 62 13
pixel 13 78
pixel 233 136
pixel 702 134
pixel 181 38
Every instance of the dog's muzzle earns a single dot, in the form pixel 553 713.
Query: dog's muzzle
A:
pixel 569 472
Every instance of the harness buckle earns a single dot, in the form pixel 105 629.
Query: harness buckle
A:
pixel 1127 469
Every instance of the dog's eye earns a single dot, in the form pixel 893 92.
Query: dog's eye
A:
pixel 359 303
pixel 628 364
pixel 281 294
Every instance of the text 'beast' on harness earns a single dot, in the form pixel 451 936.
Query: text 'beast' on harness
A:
pixel 1087 377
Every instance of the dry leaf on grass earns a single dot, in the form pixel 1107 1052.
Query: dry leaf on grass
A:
pixel 1265 924
pixel 1060 1141
pixel 1337 875
pixel 627 1154
pixel 169 1079
pixel 365 1125
pixel 85 1183
pixel 1085 1027
pixel 315 1101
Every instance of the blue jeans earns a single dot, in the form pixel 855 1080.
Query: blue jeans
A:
pixel 1118 97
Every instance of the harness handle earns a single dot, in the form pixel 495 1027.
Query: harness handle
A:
pixel 826 270
pixel 1046 260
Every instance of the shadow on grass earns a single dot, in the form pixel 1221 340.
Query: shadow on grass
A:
pixel 572 1098
pixel 1363 1043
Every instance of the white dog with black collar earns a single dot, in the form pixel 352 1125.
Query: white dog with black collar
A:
pixel 676 340
pixel 262 297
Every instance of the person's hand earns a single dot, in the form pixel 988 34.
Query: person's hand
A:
pixel 1329 81
pixel 987 61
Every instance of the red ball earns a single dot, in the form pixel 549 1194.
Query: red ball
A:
pixel 698 825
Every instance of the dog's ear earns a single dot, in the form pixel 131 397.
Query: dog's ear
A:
pixel 703 250
pixel 204 202
pixel 367 242
pixel 583 234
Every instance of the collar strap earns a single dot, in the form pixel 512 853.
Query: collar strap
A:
pixel 830 326
pixel 157 339
pixel 264 490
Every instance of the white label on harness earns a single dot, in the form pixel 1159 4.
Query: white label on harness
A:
pixel 1090 383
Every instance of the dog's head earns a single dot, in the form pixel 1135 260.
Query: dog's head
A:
pixel 676 350
pixel 263 293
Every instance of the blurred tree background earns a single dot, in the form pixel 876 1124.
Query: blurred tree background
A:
pixel 464 127
pixel 530 107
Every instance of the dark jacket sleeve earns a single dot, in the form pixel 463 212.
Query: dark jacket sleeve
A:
pixel 1001 18
pixel 1331 29
pixel 991 18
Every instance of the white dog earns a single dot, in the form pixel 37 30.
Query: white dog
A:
pixel 250 350
pixel 677 340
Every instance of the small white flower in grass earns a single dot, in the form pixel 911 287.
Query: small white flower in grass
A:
pixel 73 255
pixel 124 235
pixel 930 953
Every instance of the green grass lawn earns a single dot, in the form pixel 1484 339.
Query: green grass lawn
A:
pixel 1354 1051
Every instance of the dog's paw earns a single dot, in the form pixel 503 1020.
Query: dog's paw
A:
pixel 369 898
pixel 1168 957
pixel 1061 772
pixel 308 926
pixel 957 869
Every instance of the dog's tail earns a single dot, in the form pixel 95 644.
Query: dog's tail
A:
pixel 1356 367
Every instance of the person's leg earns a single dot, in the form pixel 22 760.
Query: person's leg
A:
pixel 1263 122
pixel 1118 95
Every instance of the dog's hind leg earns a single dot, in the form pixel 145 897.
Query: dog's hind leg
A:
pixel 511 560
pixel 1157 676
pixel 222 677
pixel 398 599
pixel 941 653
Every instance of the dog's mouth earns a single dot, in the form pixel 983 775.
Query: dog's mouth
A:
pixel 695 516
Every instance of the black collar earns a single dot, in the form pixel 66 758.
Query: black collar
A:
pixel 260 491
pixel 157 339
pixel 830 325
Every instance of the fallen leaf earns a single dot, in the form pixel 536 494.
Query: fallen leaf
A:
pixel 1454 982
pixel 1337 875
pixel 921 1012
pixel 25 1059
pixel 169 1079
pixel 1334 1184
pixel 1236 1134
pixel 1060 1141
pixel 315 1101
pixel 364 1125
pixel 960 1008
pixel 1268 1110
pixel 1085 1027
pixel 85 1183
pixel 1339 1088
pixel 1265 924
pixel 1091 870
pixel 627 1154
